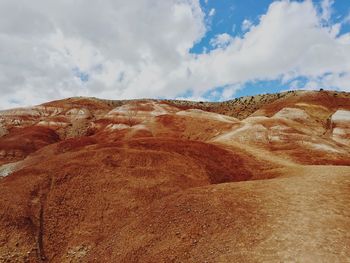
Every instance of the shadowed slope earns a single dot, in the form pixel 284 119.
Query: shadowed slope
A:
pixel 22 141
pixel 64 204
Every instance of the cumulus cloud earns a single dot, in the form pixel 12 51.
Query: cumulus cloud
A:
pixel 131 49
pixel 347 19
pixel 246 25
pixel 290 41
pixel 127 48
pixel 329 81
pixel 221 40
pixel 212 12
pixel 326 7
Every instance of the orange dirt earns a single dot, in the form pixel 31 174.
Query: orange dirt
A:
pixel 176 184
pixel 22 141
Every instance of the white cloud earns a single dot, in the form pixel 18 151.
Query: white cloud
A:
pixel 141 49
pixel 212 12
pixel 347 19
pixel 288 42
pixel 326 8
pixel 329 81
pixel 41 42
pixel 229 91
pixel 233 28
pixel 221 40
pixel 246 25
pixel 190 98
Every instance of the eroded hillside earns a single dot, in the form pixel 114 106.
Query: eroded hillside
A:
pixel 256 179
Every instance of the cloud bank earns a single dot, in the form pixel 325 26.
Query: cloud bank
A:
pixel 131 49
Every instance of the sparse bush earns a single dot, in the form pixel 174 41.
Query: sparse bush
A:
pixel 131 114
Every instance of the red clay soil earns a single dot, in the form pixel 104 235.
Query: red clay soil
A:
pixel 22 141
pixel 68 200
pixel 166 190
pixel 90 103
pixel 327 99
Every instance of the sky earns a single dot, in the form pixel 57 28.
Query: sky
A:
pixel 210 50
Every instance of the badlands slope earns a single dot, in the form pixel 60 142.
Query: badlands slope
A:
pixel 256 179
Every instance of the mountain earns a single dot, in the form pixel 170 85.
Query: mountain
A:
pixel 257 179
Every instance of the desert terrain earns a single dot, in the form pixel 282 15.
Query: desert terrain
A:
pixel 264 178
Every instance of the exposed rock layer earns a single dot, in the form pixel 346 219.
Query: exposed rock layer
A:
pixel 257 179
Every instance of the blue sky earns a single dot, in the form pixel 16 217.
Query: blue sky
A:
pixel 230 14
pixel 228 18
pixel 175 49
